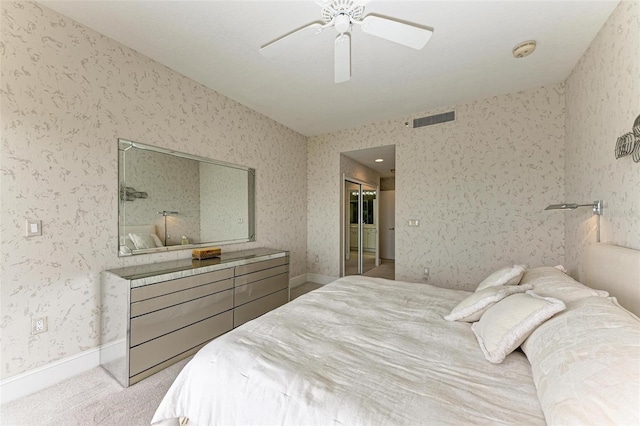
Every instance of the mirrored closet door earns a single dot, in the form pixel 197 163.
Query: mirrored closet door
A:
pixel 360 227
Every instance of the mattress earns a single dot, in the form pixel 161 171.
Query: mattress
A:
pixel 357 351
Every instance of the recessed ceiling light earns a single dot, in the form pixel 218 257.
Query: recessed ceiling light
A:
pixel 379 160
pixel 523 49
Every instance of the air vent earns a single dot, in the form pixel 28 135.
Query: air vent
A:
pixel 434 119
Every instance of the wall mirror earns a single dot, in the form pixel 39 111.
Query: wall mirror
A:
pixel 170 200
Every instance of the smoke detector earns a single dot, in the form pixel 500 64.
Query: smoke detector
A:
pixel 523 49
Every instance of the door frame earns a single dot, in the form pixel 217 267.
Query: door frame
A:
pixel 343 220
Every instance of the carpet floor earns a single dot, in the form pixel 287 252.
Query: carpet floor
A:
pixel 95 398
pixel 92 398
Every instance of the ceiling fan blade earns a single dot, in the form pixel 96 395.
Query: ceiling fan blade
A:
pixel 285 42
pixel 342 58
pixel 398 32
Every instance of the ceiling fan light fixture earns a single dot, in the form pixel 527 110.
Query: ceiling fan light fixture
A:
pixel 342 23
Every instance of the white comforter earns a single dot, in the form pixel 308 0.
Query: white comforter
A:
pixel 357 351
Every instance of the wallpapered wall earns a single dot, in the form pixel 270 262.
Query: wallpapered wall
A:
pixel 478 185
pixel 226 212
pixel 68 93
pixel 602 101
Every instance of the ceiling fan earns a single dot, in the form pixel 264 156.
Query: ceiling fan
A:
pixel 341 15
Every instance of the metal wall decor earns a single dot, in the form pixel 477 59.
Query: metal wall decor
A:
pixel 127 193
pixel 629 143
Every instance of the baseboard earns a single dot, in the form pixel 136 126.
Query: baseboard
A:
pixel 311 278
pixel 48 375
pixel 32 381
pixel 296 281
pixel 320 279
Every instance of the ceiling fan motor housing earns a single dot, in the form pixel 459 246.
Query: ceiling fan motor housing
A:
pixel 342 7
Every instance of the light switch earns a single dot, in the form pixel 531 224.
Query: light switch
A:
pixel 34 228
pixel 414 222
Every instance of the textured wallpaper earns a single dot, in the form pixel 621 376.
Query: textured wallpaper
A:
pixel 477 185
pixel 602 101
pixel 67 95
pixel 224 199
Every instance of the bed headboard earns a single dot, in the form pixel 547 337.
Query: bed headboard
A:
pixel 139 229
pixel 616 270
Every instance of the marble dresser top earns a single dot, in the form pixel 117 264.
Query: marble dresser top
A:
pixel 140 275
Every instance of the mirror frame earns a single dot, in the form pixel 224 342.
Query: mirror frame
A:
pixel 124 145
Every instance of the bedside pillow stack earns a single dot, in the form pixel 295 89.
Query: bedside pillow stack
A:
pixel 504 327
pixel 509 275
pixel 472 308
pixel 511 303
pixel 583 347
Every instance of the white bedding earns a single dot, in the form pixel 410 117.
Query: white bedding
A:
pixel 357 351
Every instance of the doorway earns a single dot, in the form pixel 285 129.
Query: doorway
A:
pixel 367 170
pixel 361 227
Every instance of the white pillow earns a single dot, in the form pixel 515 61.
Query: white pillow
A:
pixel 549 281
pixel 144 241
pixel 472 308
pixel 509 275
pixel 505 325
pixel 585 363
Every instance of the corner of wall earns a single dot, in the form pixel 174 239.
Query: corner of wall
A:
pixel 601 96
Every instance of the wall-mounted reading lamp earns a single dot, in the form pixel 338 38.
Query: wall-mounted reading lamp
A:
pixel 165 214
pixel 596 206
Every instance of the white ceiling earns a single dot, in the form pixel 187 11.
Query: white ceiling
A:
pixel 369 156
pixel 469 56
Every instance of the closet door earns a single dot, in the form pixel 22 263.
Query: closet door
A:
pixel 360 227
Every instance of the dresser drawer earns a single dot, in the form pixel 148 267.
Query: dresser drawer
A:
pixel 155 290
pixel 249 292
pixel 171 299
pixel 254 309
pixel 260 275
pixel 258 266
pixel 154 352
pixel 164 321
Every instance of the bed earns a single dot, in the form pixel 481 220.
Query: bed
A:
pixel 145 237
pixel 372 351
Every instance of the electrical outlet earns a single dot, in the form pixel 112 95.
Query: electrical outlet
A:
pixel 426 272
pixel 39 325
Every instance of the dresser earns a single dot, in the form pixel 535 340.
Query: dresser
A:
pixel 155 315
